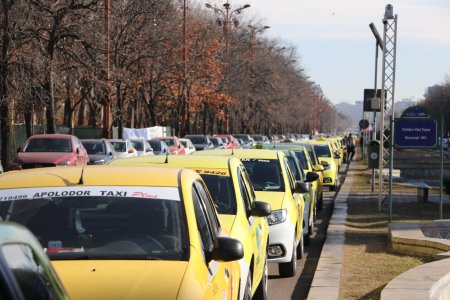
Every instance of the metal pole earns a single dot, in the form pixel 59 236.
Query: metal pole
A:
pixel 441 171
pixel 391 164
pixel 374 122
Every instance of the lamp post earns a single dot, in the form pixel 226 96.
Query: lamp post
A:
pixel 254 31
pixel 378 43
pixel 226 19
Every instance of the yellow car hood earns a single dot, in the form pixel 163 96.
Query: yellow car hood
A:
pixel 121 279
pixel 275 199
pixel 227 222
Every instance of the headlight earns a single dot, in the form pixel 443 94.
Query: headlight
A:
pixel 277 217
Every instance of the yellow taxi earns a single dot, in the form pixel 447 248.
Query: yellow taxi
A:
pixel 116 232
pixel 316 193
pixel 337 149
pixel 327 158
pixel 239 212
pixel 26 272
pixel 274 183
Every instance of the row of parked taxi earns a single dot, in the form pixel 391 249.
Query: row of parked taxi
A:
pixel 202 226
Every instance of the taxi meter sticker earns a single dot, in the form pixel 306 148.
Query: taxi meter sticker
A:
pixel 167 193
pixel 217 172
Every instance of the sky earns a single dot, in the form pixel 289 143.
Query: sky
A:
pixel 337 48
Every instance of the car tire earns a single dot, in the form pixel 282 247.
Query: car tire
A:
pixel 288 269
pixel 261 292
pixel 248 287
pixel 333 188
pixel 311 229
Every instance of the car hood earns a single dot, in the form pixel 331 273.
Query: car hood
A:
pixel 227 222
pixel 44 157
pixel 275 199
pixel 121 279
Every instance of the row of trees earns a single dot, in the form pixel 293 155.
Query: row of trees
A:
pixel 54 71
pixel 437 103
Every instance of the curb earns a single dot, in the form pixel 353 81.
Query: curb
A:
pixel 326 281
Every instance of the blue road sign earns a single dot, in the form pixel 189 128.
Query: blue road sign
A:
pixel 415 133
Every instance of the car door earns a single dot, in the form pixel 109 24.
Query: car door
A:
pixel 219 280
pixel 257 230
pixel 297 198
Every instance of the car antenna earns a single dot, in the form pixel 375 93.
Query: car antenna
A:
pixel 232 151
pixel 167 158
pixel 81 181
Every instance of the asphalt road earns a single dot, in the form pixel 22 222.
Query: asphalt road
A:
pixel 297 287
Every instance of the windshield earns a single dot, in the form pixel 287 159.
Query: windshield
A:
pixel 102 222
pixel 257 138
pixel 94 147
pixel 119 146
pixel 265 174
pixel 322 150
pixel 221 190
pixel 48 145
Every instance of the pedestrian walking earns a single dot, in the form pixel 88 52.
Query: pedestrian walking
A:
pixel 350 148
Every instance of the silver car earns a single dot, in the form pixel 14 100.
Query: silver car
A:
pixel 100 151
pixel 123 148
pixel 142 147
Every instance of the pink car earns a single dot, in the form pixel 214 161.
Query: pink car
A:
pixel 174 145
pixel 231 143
pixel 50 150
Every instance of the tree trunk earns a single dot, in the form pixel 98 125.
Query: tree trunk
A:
pixel 4 105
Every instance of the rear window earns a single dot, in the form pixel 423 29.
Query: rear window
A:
pixel 119 146
pixel 138 145
pixel 265 174
pixel 197 139
pixel 94 147
pixel 156 145
pixel 48 145
pixel 169 142
pixel 142 223
pixel 322 150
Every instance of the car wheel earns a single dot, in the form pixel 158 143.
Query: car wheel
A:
pixel 261 291
pixel 288 269
pixel 333 188
pixel 248 287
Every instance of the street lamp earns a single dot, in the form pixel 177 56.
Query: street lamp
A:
pixel 254 30
pixel 225 20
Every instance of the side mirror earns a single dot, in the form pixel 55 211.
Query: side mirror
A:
pixel 77 150
pixel 110 154
pixel 302 187
pixel 318 168
pixel 337 155
pixel 311 176
pixel 18 150
pixel 227 249
pixel 179 146
pixel 260 209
